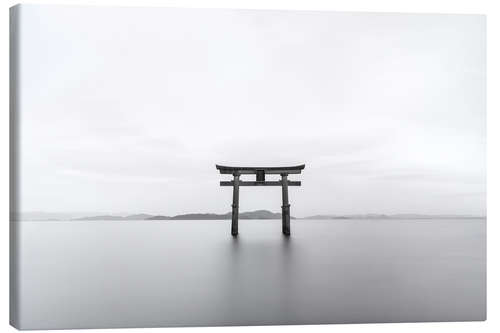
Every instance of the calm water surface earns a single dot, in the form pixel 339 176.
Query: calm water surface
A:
pixel 170 273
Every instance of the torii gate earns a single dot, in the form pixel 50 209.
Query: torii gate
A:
pixel 260 180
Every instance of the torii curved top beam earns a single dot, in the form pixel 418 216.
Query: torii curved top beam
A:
pixel 253 170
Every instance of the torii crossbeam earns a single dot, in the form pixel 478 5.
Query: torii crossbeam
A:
pixel 260 180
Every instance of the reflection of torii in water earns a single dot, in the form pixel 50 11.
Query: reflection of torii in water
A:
pixel 260 181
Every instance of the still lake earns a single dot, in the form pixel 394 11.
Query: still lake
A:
pixel 171 273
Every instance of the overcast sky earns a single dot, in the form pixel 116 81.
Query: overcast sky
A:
pixel 129 110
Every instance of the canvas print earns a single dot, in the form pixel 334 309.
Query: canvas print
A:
pixel 199 167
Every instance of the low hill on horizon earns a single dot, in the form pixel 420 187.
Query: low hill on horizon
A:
pixel 252 215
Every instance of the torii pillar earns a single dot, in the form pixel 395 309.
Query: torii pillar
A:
pixel 235 205
pixel 285 208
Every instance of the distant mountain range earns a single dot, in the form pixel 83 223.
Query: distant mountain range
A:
pixel 252 215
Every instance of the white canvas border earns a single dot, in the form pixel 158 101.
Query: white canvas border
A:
pixel 490 8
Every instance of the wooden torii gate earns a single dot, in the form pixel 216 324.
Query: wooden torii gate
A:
pixel 260 180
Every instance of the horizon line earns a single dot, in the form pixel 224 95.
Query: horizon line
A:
pixel 128 214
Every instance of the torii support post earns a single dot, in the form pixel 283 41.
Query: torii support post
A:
pixel 260 180
pixel 285 209
pixel 235 205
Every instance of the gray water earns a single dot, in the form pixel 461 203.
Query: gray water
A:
pixel 99 274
